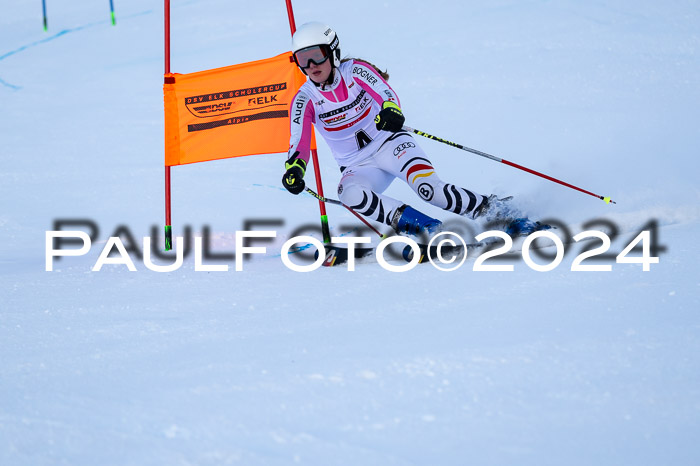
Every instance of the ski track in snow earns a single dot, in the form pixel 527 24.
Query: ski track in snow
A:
pixel 57 36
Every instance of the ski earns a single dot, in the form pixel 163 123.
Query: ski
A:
pixel 519 227
pixel 337 255
pixel 446 252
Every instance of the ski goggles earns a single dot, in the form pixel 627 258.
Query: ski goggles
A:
pixel 317 54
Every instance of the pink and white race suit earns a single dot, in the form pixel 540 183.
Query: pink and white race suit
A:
pixel 343 113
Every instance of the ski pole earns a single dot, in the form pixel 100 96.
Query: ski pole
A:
pixel 497 159
pixel 336 202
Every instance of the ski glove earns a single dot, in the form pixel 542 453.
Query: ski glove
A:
pixel 293 179
pixel 389 118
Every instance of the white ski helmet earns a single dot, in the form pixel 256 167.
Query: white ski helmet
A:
pixel 315 33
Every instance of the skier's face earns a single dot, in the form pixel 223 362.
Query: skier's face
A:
pixel 319 73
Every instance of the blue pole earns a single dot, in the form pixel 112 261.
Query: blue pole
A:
pixel 46 23
pixel 111 9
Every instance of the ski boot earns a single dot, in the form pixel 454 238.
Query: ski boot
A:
pixel 524 226
pixel 493 208
pixel 408 220
pixel 507 216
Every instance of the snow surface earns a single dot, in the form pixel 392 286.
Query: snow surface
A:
pixel 270 366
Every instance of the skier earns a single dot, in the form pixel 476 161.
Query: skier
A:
pixel 359 115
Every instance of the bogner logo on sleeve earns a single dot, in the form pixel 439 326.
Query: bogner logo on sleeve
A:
pixel 369 77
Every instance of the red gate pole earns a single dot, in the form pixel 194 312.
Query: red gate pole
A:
pixel 290 13
pixel 314 153
pixel 168 219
